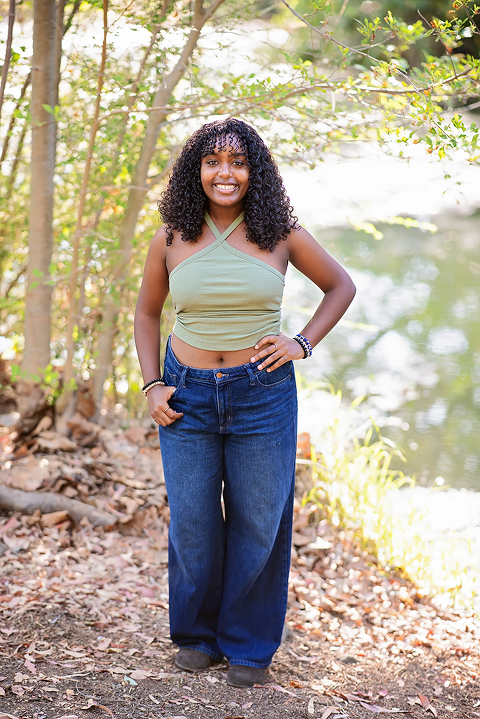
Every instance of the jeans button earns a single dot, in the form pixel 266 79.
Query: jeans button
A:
pixel 219 374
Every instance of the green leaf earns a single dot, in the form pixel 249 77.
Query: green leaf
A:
pixel 369 229
pixel 16 372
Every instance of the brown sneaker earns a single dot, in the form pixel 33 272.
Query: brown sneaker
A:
pixel 242 676
pixel 192 660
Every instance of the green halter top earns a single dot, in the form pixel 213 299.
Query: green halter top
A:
pixel 225 299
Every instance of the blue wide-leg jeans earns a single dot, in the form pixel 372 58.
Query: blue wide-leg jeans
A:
pixel 228 571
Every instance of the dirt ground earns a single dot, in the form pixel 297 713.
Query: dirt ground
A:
pixel 84 633
pixel 84 611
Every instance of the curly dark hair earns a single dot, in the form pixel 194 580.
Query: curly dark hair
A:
pixel 267 209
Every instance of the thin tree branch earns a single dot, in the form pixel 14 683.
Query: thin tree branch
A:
pixel 16 162
pixel 13 282
pixel 325 35
pixel 211 9
pixel 132 96
pixel 72 308
pixel 58 45
pixel 13 118
pixel 73 12
pixel 8 52
pixel 339 17
pixel 439 36
pixel 27 82
pixel 329 36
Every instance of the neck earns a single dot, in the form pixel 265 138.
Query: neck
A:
pixel 224 216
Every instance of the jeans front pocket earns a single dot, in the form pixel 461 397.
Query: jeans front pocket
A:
pixel 171 380
pixel 275 377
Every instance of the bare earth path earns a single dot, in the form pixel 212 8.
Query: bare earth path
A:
pixel 84 633
pixel 84 612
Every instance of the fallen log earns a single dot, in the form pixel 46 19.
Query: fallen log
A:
pixel 16 500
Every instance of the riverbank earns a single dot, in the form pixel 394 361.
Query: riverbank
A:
pixel 431 535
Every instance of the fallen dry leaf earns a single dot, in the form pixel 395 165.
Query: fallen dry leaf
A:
pixel 375 709
pixel 140 674
pixel 52 518
pixel 30 666
pixel 425 702
pixel 91 703
pixel 329 711
pixel 49 440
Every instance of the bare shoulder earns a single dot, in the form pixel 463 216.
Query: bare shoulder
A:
pixel 299 238
pixel 310 258
pixel 159 240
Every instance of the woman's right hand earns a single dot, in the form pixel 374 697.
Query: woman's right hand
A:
pixel 160 411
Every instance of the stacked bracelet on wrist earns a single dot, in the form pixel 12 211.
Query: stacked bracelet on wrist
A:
pixel 305 345
pixel 151 384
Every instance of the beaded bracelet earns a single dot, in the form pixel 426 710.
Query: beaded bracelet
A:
pixel 151 384
pixel 305 345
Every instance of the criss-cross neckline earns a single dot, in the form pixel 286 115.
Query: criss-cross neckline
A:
pixel 221 236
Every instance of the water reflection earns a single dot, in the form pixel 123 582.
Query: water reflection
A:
pixel 411 340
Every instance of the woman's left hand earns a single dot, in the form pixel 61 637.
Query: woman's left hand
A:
pixel 278 349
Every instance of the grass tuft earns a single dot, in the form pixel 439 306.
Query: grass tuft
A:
pixel 349 476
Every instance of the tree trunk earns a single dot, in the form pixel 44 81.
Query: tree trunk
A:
pixel 40 240
pixel 139 189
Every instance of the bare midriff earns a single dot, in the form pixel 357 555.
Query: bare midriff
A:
pixel 206 359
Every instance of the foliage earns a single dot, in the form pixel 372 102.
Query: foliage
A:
pixel 365 91
pixel 352 481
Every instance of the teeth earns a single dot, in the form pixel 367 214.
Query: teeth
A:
pixel 225 187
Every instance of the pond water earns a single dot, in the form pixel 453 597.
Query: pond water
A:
pixel 410 342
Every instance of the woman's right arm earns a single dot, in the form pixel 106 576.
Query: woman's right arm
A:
pixel 151 298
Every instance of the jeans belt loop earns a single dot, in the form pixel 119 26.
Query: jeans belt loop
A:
pixel 250 374
pixel 183 377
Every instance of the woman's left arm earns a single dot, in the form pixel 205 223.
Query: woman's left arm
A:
pixel 315 263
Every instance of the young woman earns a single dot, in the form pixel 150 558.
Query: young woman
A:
pixel 226 403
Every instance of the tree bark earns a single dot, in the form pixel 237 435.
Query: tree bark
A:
pixel 38 300
pixel 139 189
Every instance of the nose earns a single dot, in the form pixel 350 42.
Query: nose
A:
pixel 224 170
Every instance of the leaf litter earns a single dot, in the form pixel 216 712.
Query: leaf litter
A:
pixel 83 611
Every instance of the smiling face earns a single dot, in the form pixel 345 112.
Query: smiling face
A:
pixel 225 174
